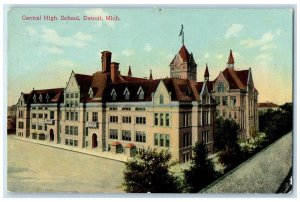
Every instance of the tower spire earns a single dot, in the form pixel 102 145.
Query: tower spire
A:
pixel 230 62
pixel 206 74
pixel 129 71
pixel 182 34
pixel 150 77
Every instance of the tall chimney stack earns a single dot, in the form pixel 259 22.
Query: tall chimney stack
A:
pixel 114 71
pixel 106 61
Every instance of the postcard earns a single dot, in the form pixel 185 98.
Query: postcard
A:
pixel 150 100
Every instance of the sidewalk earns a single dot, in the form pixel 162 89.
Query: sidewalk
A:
pixel 106 155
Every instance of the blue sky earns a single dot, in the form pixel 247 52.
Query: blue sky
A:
pixel 42 54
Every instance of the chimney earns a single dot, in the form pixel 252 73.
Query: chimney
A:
pixel 106 61
pixel 114 71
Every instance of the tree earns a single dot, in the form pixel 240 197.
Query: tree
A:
pixel 149 172
pixel 202 171
pixel 226 134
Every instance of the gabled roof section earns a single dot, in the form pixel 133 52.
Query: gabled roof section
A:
pixel 84 82
pixel 184 54
pixel 236 79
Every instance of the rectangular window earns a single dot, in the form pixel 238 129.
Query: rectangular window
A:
pixel 185 119
pixel 126 119
pixel 140 136
pixel 76 95
pixel 67 115
pixel 40 126
pixel 33 115
pixel 75 130
pixel 113 119
pixel 51 114
pixel 72 95
pixel 113 134
pixel 161 140
pixel 67 130
pixel 187 140
pixel 67 142
pixel 205 118
pixel 45 127
pixel 76 116
pixel 126 135
pixel 233 100
pixel 21 125
pixel 218 100
pixel 156 119
pixel 40 116
pixel 71 130
pixel 205 137
pixel 72 116
pixel 140 120
pixel 67 95
pixel 161 119
pixel 33 126
pixel 167 140
pixel 126 108
pixel 156 139
pixel 161 99
pixel 45 116
pixel 95 117
pixel 113 108
pixel 224 99
pixel 75 143
pixel 139 109
pixel 87 116
pixel 86 131
pixel 71 142
pixel 167 119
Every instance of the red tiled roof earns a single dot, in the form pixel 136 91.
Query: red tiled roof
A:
pixel 84 82
pixel 115 143
pixel 55 95
pixel 185 55
pixel 236 79
pixel 130 145
pixel 199 86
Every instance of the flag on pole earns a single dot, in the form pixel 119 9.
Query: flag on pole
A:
pixel 181 31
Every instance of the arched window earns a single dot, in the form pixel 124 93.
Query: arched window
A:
pixel 221 87
pixel 140 93
pixel 113 94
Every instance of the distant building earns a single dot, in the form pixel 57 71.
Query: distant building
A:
pixel 264 106
pixel 11 119
pixel 115 113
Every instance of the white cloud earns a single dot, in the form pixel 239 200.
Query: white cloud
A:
pixel 147 47
pixel 267 47
pixel 233 30
pixel 51 36
pixel 206 55
pixel 31 31
pixel 265 39
pixel 127 52
pixel 53 49
pixel 219 56
pixel 264 57
pixel 100 12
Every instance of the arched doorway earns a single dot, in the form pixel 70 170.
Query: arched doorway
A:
pixel 94 141
pixel 51 135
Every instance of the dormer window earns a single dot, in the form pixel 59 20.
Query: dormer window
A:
pixel 141 93
pixel 41 98
pixel 113 94
pixel 91 93
pixel 47 97
pixel 34 98
pixel 126 94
